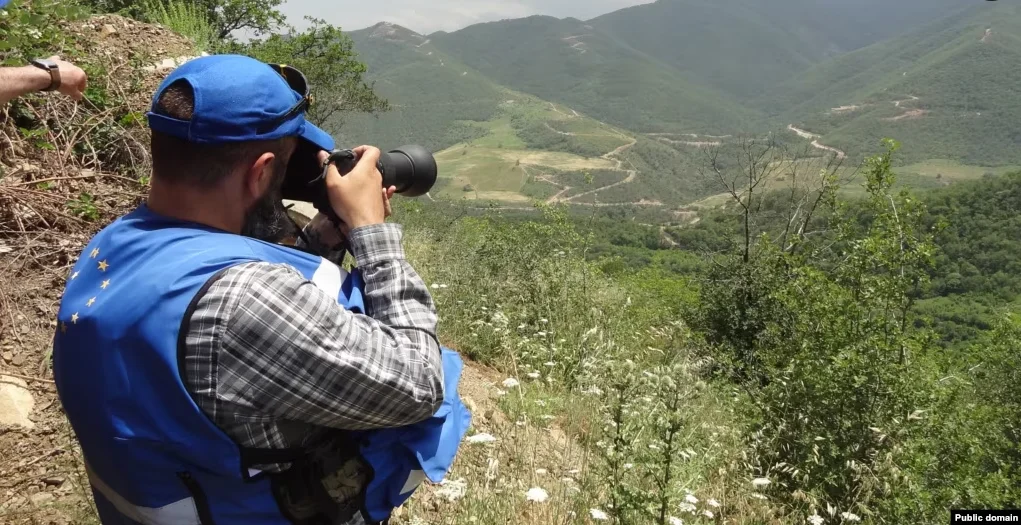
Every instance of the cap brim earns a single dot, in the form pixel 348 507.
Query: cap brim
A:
pixel 317 137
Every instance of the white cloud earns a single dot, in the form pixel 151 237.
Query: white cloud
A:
pixel 427 16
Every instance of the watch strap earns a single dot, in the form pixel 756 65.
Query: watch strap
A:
pixel 53 69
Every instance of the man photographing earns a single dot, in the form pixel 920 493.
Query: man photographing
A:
pixel 213 377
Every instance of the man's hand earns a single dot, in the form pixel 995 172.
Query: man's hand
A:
pixel 358 198
pixel 73 80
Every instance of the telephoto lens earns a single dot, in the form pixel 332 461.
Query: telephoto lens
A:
pixel 412 169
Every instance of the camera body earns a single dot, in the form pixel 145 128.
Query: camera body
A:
pixel 411 169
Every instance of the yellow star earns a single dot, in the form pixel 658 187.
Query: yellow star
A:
pixel 74 318
pixel 105 284
pixel 91 302
pixel 63 327
pixel 74 275
pixel 95 252
pixel 103 265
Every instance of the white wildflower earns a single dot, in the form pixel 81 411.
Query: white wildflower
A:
pixel 598 515
pixel 500 392
pixel 713 503
pixel 756 495
pixel 690 498
pixel 492 468
pixel 510 382
pixel 686 507
pixel 435 286
pixel 541 471
pixel 850 516
pixel 536 494
pixel 543 320
pixel 443 286
pixel 676 521
pixel 815 519
pixel 760 482
pixel 540 334
pixel 481 438
pixel 574 472
pixel 533 375
pixel 550 363
pixel 708 513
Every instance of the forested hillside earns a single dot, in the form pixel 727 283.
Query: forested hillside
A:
pixel 434 97
pixel 743 47
pixel 948 91
pixel 573 63
pixel 681 75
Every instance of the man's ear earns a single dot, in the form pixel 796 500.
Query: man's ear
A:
pixel 259 176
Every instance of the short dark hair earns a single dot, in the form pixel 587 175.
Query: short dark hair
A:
pixel 178 160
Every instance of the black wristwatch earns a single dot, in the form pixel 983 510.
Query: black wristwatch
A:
pixel 51 66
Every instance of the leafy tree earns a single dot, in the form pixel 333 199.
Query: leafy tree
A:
pixel 327 58
pixel 227 16
pixel 825 353
pixel 258 16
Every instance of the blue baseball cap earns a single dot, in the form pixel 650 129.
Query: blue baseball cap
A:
pixel 237 98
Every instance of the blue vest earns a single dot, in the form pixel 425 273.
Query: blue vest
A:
pixel 153 457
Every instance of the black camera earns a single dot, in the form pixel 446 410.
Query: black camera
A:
pixel 411 169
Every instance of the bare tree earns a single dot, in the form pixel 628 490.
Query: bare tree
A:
pixel 748 170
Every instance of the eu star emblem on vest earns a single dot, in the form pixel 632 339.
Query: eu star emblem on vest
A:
pixel 83 294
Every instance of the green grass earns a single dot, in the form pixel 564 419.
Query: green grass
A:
pixel 500 134
pixel 184 17
pixel 952 170
pixel 499 165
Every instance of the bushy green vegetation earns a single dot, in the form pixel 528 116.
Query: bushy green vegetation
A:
pixel 185 18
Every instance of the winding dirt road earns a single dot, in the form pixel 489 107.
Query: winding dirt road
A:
pixel 815 142
pixel 632 174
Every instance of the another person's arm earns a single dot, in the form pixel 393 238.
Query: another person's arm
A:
pixel 18 81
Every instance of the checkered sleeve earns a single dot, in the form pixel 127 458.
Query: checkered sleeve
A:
pixel 290 351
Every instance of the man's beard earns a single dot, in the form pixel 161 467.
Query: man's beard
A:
pixel 267 219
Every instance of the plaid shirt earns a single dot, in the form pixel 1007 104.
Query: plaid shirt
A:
pixel 277 363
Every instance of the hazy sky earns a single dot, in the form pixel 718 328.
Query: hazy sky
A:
pixel 426 16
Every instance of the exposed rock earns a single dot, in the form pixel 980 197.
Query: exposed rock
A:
pixel 16 402
pixel 55 481
pixel 41 498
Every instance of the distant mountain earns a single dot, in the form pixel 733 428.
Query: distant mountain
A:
pixel 574 63
pixel 743 46
pixel 948 90
pixel 627 98
pixel 434 97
